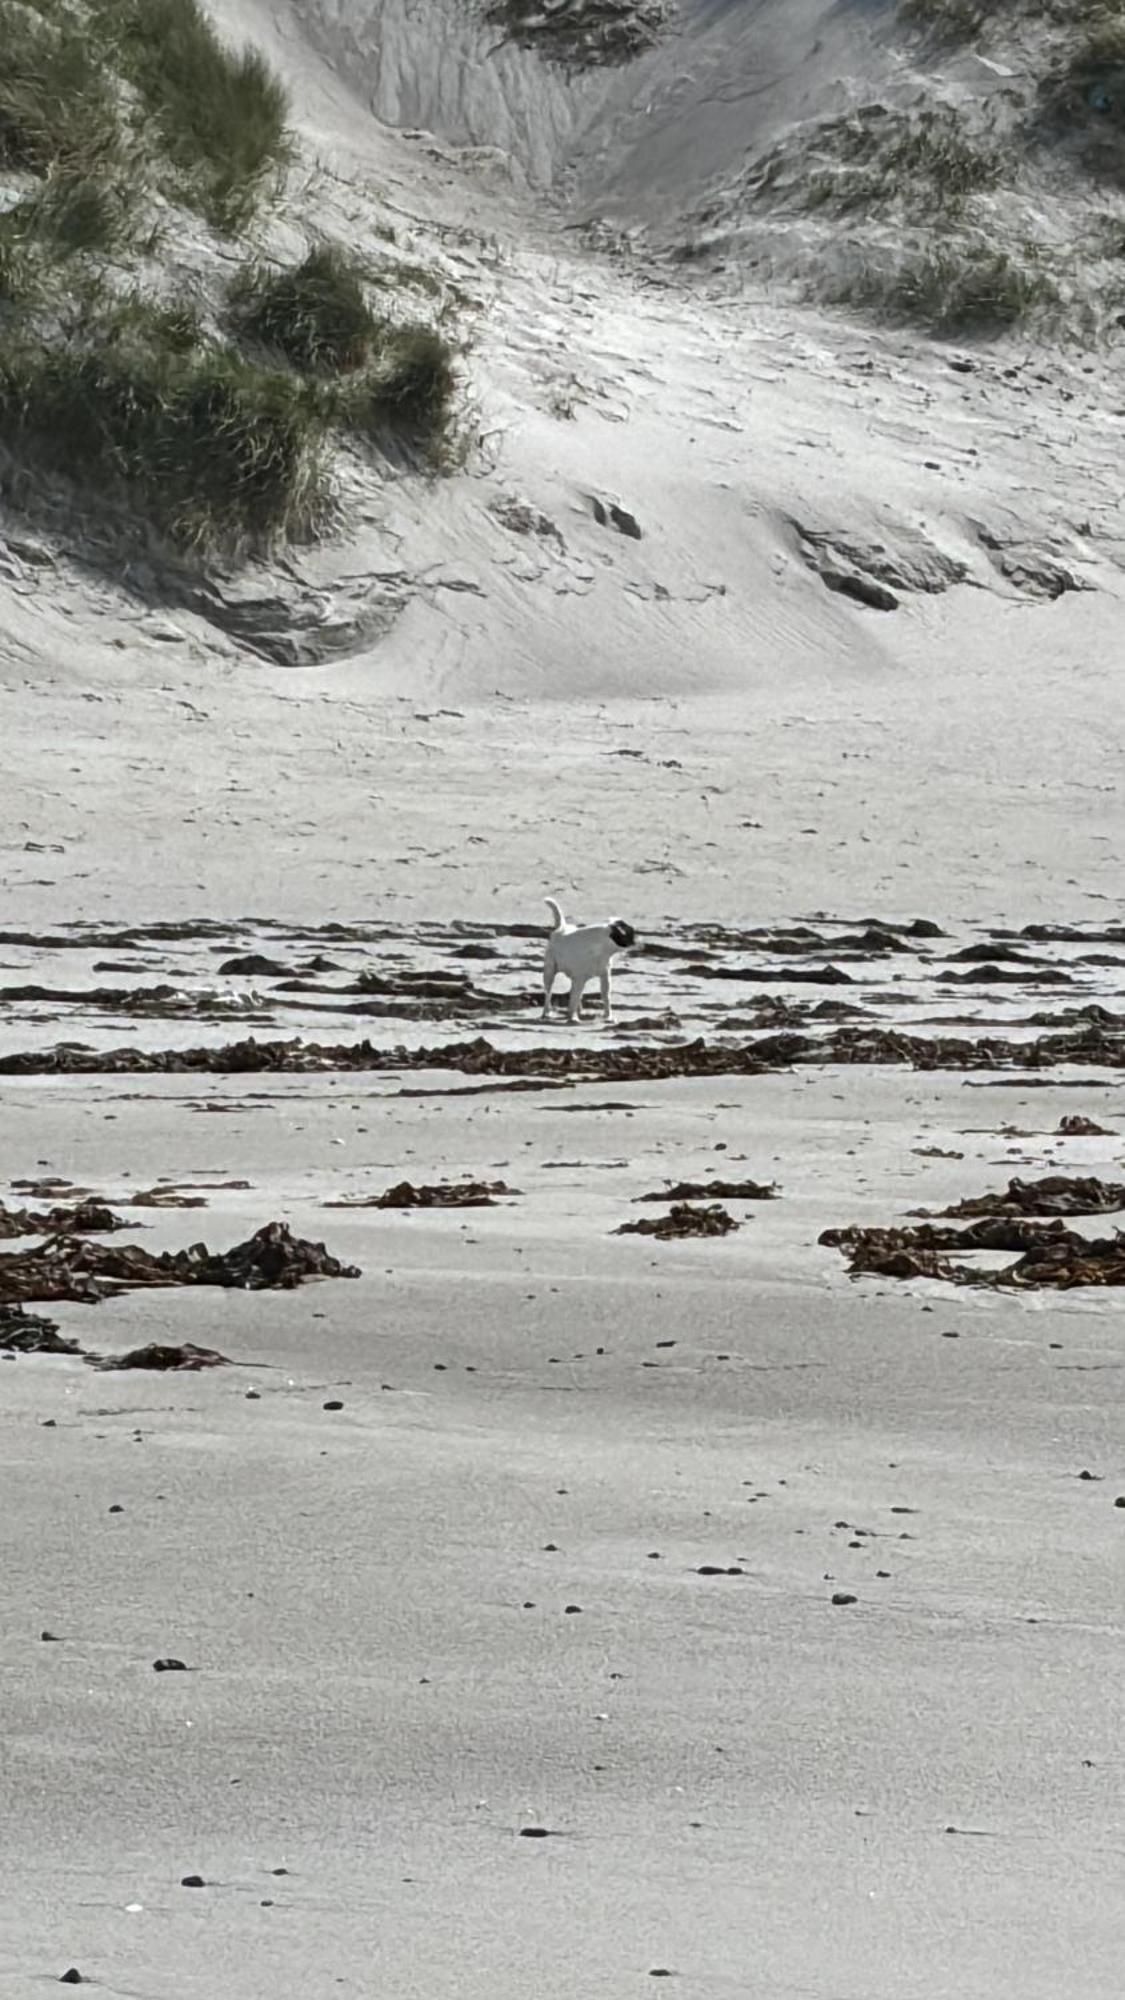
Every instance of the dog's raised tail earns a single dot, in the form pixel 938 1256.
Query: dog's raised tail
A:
pixel 555 912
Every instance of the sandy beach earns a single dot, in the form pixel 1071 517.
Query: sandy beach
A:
pixel 435 1551
pixel 550 1610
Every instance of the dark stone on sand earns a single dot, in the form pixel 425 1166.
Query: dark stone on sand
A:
pixel 572 1609
pixel 1089 1475
pixel 50 1638
pixel 334 1405
pixel 117 1508
pixel 254 965
pixel 535 1833
pixel 844 1597
pixel 863 589
pixel 71 1977
pixel 168 1667
pixel 1120 1500
pixel 192 1882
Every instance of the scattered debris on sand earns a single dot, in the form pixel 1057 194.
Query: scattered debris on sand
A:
pixel 160 1197
pixel 161 1357
pixel 32 1333
pixel 1077 1127
pixel 446 1194
pixel 1091 1043
pixel 683 1220
pixel 70 1267
pixel 1058 1194
pixel 716 1191
pixel 1051 1256
pixel 83 1218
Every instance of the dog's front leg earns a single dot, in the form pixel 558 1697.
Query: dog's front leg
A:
pixel 607 993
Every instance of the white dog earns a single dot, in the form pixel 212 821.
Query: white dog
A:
pixel 581 955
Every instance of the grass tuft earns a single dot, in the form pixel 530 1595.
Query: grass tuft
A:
pixel 873 159
pixel 407 397
pixel 953 23
pixel 215 453
pixel 315 314
pixel 1083 96
pixel 952 292
pixel 75 212
pixel 581 34
pixel 58 104
pixel 220 114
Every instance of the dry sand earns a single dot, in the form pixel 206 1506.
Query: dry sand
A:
pixel 917 1796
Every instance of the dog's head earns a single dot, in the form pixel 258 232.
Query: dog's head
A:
pixel 623 934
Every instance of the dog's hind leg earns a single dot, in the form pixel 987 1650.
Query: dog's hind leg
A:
pixel 550 972
pixel 574 1009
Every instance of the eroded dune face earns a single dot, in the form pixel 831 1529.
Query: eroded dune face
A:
pixel 627 122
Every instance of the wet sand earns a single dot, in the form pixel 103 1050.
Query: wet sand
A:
pixel 743 1784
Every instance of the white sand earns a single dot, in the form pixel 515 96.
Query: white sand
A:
pixel 761 1800
pixel 751 1788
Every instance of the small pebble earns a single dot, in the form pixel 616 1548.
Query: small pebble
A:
pixel 192 1882
pixel 571 1609
pixel 535 1833
pixel 117 1508
pixel 71 1977
pixel 1089 1475
pixel 50 1638
pixel 1120 1500
pixel 168 1667
pixel 333 1406
pixel 843 1597
pixel 253 1395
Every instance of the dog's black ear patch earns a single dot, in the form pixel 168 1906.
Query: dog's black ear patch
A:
pixel 623 934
